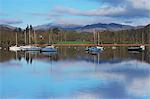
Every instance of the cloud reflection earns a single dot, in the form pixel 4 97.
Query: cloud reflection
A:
pixel 77 80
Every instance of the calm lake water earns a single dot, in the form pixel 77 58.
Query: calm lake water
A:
pixel 73 73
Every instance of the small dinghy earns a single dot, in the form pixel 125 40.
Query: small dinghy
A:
pixel 94 49
pixel 49 49
pixel 136 48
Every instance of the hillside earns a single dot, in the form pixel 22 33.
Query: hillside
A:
pixel 6 27
pixel 60 26
pixel 98 26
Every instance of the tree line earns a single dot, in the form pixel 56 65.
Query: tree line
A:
pixel 56 35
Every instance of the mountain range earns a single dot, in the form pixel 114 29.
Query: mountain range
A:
pixel 98 26
pixel 61 26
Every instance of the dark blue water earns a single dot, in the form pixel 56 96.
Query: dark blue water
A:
pixel 75 74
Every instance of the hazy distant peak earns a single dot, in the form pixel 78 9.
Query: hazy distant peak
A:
pixel 4 26
pixel 55 25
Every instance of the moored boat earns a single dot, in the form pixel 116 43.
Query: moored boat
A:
pixel 30 48
pixel 137 48
pixel 14 48
pixel 49 49
pixel 95 49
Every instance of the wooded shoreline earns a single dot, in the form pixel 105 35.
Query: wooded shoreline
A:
pixel 87 45
pixel 59 37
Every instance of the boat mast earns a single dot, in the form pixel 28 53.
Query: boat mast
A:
pixel 29 37
pixel 94 35
pixel 16 39
pixel 142 38
pixel 49 36
pixel 25 36
pixel 98 38
pixel 113 37
pixel 35 40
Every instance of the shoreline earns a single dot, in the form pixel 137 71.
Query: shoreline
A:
pixel 87 45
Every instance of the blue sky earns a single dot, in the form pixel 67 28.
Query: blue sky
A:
pixel 81 12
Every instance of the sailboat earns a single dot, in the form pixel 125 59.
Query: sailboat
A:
pixel 30 47
pixel 95 48
pixel 34 48
pixel 25 47
pixel 50 48
pixel 138 48
pixel 16 47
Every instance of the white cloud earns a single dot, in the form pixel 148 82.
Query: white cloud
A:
pixel 104 11
pixel 46 14
pixel 85 21
pixel 10 21
pixel 140 87
pixel 117 11
pixel 140 4
pixel 130 9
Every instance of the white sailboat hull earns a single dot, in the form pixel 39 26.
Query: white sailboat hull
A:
pixel 100 48
pixel 30 48
pixel 49 49
pixel 95 49
pixel 14 48
pixel 136 48
pixel 25 48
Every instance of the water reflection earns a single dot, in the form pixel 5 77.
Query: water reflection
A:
pixel 78 54
pixel 74 74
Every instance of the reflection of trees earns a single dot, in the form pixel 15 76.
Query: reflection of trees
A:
pixel 78 53
pixel 121 54
pixel 68 53
pixel 147 55
pixel 28 58
pixel 7 55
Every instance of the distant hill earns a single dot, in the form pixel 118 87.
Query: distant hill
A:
pixel 6 27
pixel 98 26
pixel 61 26
pixel 111 26
pixel 86 28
